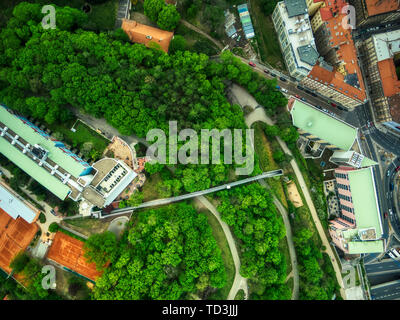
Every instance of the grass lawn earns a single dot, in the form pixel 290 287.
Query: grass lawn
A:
pixel 149 189
pixel 83 134
pixel 219 236
pixel 290 284
pixel 86 226
pixel 284 248
pixel 264 150
pixel 267 38
pixel 239 295
pixel 192 37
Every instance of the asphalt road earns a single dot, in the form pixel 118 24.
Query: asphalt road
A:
pixel 375 279
pixel 383 266
pixel 391 291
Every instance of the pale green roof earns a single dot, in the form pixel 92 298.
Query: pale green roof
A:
pixel 357 247
pixel 31 168
pixel 364 200
pixel 366 162
pixel 323 126
pixel 28 134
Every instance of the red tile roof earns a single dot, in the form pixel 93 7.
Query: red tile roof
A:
pixel 375 7
pixel 390 82
pixel 141 33
pixel 341 39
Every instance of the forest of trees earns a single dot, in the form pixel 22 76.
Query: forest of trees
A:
pixel 251 214
pixel 166 253
pixel 45 73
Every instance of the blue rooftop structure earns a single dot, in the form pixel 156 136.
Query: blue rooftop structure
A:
pixel 246 21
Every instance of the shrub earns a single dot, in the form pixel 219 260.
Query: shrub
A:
pixel 42 218
pixel 54 227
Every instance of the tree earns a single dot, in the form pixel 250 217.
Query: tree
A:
pixel 152 8
pixel 19 262
pixel 100 248
pixel 42 218
pixel 178 43
pixel 54 227
pixel 87 148
pixel 278 156
pixel 135 199
pixel 271 131
pixel 168 18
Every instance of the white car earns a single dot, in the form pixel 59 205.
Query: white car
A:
pixel 284 90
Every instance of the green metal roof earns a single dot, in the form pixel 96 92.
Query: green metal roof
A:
pixel 366 162
pixel 322 125
pixel 27 133
pixel 31 168
pixel 357 247
pixel 363 193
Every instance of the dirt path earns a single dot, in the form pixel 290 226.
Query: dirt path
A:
pixel 194 28
pixel 239 282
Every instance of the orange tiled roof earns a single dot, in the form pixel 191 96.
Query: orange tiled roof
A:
pixel 375 7
pixel 345 50
pixel 390 82
pixel 336 80
pixel 144 34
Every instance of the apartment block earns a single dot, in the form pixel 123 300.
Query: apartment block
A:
pixel 358 229
pixel 380 57
pixel 374 12
pixel 337 74
pixel 296 39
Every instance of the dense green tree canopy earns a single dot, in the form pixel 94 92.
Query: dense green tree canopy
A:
pixel 166 254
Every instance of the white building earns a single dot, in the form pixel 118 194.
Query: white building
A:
pixel 296 39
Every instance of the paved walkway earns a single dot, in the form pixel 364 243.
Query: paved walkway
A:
pixel 261 116
pixel 289 238
pixel 239 282
pixel 191 195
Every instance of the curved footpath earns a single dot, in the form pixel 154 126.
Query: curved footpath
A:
pixel 239 281
pixel 261 116
pixel 289 237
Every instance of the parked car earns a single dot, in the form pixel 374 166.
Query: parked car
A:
pixel 297 96
pixel 282 79
pixel 391 186
pixel 385 215
pixel 319 107
pixel 252 64
pixel 300 88
pixel 273 74
pixel 324 110
pixel 333 105
pixel 397 168
pixel 266 71
pixel 303 99
pixel 284 90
